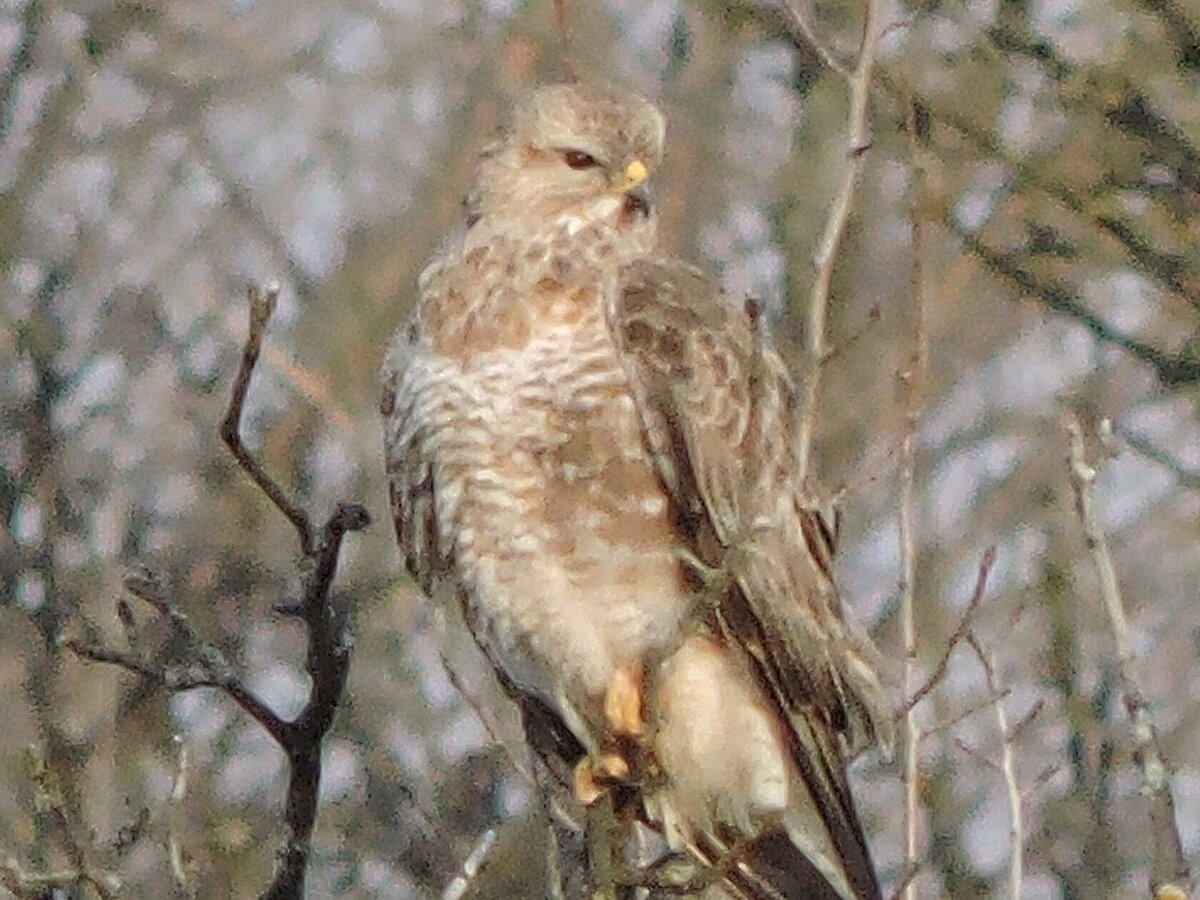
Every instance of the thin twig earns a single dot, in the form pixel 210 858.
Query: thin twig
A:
pixel 907 876
pixel 985 703
pixel 803 32
pixel 1007 767
pixel 488 722
pixel 262 304
pixel 177 817
pixel 858 142
pixel 1168 867
pixel 964 626
pixel 462 882
pixel 914 385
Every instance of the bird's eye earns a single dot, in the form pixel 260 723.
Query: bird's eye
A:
pixel 579 159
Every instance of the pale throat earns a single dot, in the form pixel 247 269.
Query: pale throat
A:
pixel 608 219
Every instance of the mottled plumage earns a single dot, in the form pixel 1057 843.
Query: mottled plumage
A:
pixel 591 449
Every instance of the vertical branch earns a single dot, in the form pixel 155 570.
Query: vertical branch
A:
pixel 562 15
pixel 913 380
pixel 1007 767
pixel 1168 868
pixel 858 142
pixel 178 815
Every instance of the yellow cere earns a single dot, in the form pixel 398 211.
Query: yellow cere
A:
pixel 631 176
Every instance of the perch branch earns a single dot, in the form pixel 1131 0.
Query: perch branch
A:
pixel 1168 867
pixel 858 141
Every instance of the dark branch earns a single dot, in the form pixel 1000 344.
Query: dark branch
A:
pixel 327 657
pixel 262 304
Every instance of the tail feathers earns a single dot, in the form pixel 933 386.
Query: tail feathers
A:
pixel 772 866
pixel 776 869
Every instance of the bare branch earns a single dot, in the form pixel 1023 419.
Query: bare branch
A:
pixel 971 710
pixel 1168 867
pixel 914 381
pixel 964 626
pixel 803 33
pixel 1007 767
pixel 462 882
pixel 327 656
pixel 174 843
pixel 858 142
pixel 262 305
pixel 487 721
pixel 907 876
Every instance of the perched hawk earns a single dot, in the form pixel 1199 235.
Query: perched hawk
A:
pixel 592 450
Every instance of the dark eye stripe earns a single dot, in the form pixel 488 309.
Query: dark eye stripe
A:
pixel 579 159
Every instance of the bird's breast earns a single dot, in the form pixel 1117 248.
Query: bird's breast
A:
pixel 561 526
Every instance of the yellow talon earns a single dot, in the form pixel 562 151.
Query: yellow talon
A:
pixel 587 790
pixel 623 701
pixel 593 775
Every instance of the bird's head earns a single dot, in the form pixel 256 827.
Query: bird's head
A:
pixel 572 150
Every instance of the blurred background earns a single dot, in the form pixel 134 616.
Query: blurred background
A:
pixel 154 157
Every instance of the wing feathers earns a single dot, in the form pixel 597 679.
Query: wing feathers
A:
pixel 718 409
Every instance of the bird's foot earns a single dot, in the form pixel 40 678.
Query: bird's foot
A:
pixel 623 701
pixel 623 750
pixel 594 775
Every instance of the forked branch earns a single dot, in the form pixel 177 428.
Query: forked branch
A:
pixel 202 664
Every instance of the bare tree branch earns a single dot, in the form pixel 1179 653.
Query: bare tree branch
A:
pixel 964 626
pixel 262 304
pixel 858 139
pixel 803 33
pixel 1168 867
pixel 913 380
pixel 1007 768
pixel 327 657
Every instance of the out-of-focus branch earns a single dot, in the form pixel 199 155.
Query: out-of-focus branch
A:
pixel 1171 370
pixel 803 33
pixel 1006 766
pixel 964 626
pixel 177 815
pixel 31 25
pixel 1168 867
pixel 858 142
pixel 913 380
pixel 80 871
pixel 562 14
pixel 1187 477
pixel 327 657
pixel 462 882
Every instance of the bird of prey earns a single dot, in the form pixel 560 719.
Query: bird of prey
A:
pixel 591 449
